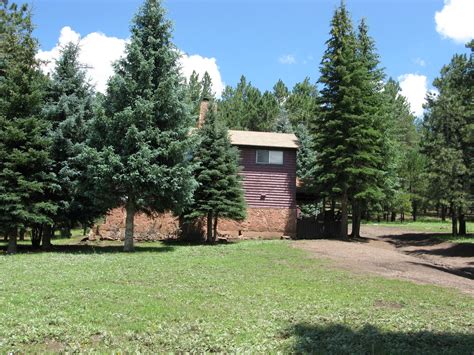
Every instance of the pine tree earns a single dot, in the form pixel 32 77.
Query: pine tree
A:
pixel 194 90
pixel 346 137
pixel 341 79
pixel 206 87
pixel 69 107
pixel 245 108
pixel 139 145
pixel 219 193
pixel 365 133
pixel 394 120
pixel 268 113
pixel 281 93
pixel 302 104
pixel 447 122
pixel 25 166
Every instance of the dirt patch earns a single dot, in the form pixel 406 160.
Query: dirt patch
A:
pixel 387 304
pixel 401 254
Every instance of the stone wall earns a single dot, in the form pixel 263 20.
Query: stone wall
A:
pixel 260 223
pixel 158 227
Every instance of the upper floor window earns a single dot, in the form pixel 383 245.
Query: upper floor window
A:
pixel 269 157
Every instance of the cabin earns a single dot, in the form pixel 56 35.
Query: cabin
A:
pixel 268 168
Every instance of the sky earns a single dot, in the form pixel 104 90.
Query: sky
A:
pixel 262 39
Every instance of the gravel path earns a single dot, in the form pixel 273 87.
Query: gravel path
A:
pixel 403 254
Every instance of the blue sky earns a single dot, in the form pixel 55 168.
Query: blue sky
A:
pixel 267 40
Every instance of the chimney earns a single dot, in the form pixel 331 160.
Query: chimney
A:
pixel 202 112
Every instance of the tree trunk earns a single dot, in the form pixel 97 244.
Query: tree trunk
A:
pixel 129 224
pixel 414 212
pixel 36 234
pixel 12 246
pixel 356 217
pixel 344 219
pixel 462 223
pixel 21 235
pixel 454 221
pixel 46 240
pixel 214 237
pixel 209 227
pixel 443 213
pixel 333 206
pixel 84 230
pixel 393 217
pixel 65 232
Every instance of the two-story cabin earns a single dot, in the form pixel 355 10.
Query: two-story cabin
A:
pixel 268 162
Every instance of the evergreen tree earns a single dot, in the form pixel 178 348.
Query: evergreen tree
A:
pixel 302 104
pixel 219 193
pixel 245 108
pixel 69 108
pixel 346 139
pixel 206 87
pixel 400 137
pixel 25 166
pixel 283 124
pixel 232 105
pixel 365 132
pixel 268 113
pixel 139 145
pixel 448 119
pixel 281 93
pixel 306 157
pixel 194 90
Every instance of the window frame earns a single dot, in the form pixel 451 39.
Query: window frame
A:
pixel 270 162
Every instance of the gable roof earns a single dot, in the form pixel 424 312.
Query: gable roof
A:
pixel 263 139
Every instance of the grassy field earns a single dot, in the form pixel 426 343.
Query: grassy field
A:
pixel 248 296
pixel 432 226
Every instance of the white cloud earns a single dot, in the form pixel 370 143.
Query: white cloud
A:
pixel 287 59
pixel 455 20
pixel 201 65
pixel 420 62
pixel 99 51
pixel 414 87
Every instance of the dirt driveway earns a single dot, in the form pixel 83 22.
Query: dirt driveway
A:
pixel 403 254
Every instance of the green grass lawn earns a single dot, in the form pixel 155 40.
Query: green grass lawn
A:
pixel 249 296
pixel 432 226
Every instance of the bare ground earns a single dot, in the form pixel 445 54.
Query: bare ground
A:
pixel 403 254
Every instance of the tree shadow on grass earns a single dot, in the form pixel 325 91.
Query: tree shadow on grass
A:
pixel 341 339
pixel 178 242
pixel 89 249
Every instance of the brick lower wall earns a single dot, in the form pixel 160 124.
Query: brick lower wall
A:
pixel 260 223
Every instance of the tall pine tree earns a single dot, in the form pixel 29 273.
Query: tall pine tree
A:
pixel 341 78
pixel 140 143
pixel 365 132
pixel 448 120
pixel 219 193
pixel 26 178
pixel 69 108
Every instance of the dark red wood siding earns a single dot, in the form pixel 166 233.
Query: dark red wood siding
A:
pixel 266 185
